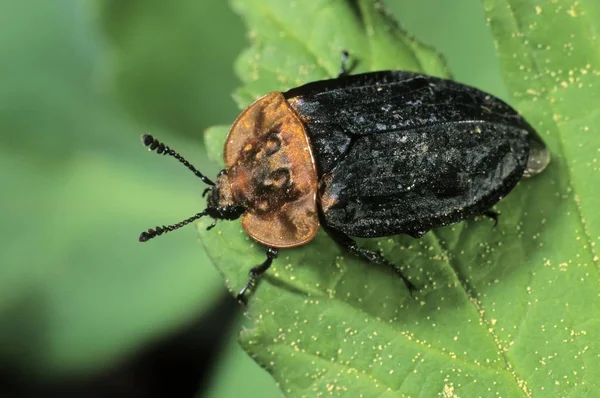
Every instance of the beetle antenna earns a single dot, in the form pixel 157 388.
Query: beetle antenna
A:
pixel 155 145
pixel 157 231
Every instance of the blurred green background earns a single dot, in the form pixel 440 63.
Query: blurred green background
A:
pixel 80 82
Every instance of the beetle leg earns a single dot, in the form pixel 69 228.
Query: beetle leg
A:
pixel 211 226
pixel 493 215
pixel 256 272
pixel 344 64
pixel 371 256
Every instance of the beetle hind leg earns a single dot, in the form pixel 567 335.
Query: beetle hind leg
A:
pixel 377 258
pixel 347 64
pixel 369 255
pixel 256 272
pixel 344 70
pixel 493 215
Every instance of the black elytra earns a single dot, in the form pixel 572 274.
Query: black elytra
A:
pixel 403 153
pixel 394 152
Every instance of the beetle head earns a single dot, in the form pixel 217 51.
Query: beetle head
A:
pixel 219 204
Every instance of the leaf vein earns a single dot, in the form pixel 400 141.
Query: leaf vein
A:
pixel 386 325
pixel 479 309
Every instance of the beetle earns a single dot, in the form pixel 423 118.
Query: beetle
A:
pixel 367 155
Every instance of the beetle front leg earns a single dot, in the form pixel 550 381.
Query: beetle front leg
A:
pixel 256 272
pixel 371 256
pixel 212 225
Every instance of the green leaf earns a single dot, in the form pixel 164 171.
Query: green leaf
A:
pixel 214 139
pixel 550 60
pixel 458 30
pixel 507 311
pixel 289 51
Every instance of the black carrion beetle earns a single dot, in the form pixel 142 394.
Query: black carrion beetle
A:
pixel 367 155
